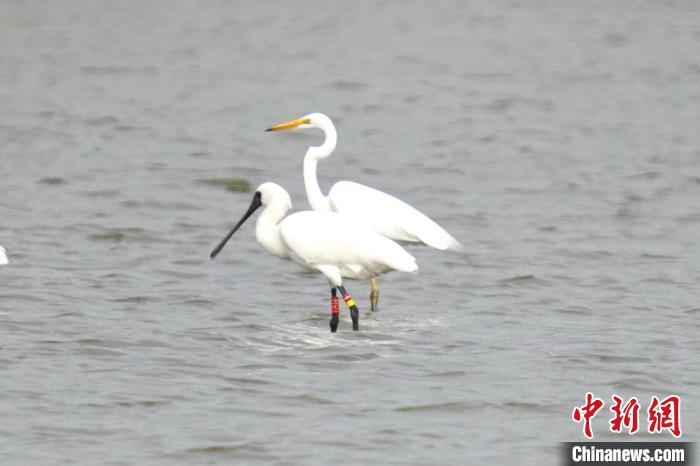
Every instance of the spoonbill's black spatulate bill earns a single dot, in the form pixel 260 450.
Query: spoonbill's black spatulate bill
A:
pixel 326 242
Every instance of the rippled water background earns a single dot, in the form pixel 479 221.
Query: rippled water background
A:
pixel 558 141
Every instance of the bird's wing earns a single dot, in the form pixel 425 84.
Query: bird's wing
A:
pixel 332 273
pixel 320 238
pixel 388 215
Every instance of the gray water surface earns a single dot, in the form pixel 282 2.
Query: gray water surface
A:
pixel 558 141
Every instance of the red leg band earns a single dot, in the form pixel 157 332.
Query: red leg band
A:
pixel 335 307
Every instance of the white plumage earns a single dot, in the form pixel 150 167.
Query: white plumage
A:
pixel 388 215
pixel 327 242
pixel 3 256
pixel 382 212
pixel 335 246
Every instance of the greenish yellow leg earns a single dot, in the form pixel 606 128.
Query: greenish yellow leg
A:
pixel 374 295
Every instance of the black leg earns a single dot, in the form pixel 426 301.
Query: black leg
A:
pixel 354 311
pixel 335 310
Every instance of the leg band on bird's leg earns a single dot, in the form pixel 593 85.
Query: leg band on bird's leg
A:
pixel 350 303
pixel 335 310
pixel 374 295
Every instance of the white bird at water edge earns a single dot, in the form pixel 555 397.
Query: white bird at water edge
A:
pixel 3 256
pixel 325 242
pixel 385 214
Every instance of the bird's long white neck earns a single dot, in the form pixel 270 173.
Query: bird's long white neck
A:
pixel 267 230
pixel 318 201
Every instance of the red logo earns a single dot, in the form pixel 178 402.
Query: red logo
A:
pixel 662 414
pixel 587 412
pixel 625 416
pixel 665 414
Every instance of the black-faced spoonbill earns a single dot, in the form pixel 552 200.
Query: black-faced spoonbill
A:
pixel 326 242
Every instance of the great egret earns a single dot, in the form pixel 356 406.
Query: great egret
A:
pixel 3 256
pixel 385 214
pixel 326 242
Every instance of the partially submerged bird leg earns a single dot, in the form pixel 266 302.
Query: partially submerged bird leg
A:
pixel 335 310
pixel 354 311
pixel 374 295
pixel 326 242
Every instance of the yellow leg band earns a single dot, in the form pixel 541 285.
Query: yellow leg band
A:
pixel 350 302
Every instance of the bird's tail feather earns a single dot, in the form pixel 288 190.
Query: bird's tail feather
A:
pixel 436 237
pixel 398 259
